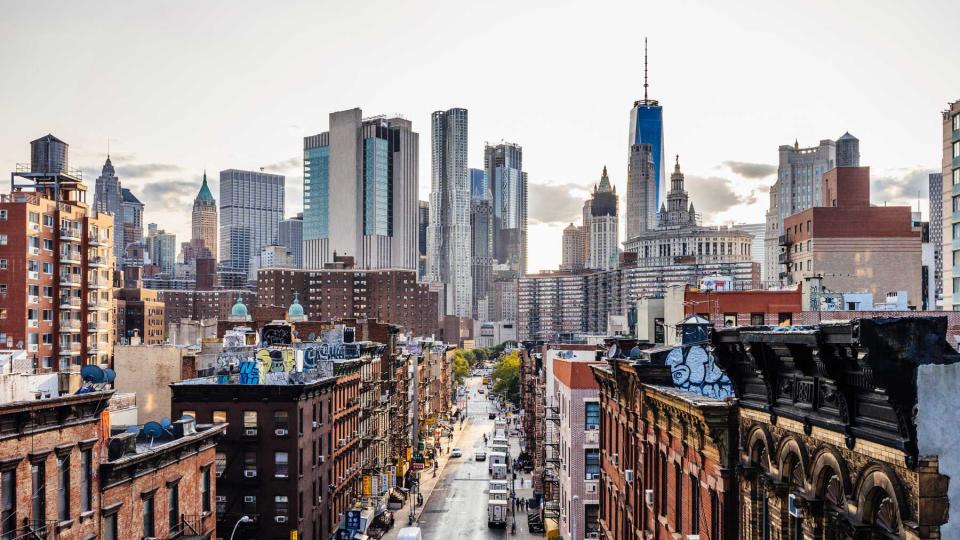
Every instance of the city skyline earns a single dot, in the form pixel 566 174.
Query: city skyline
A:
pixel 731 134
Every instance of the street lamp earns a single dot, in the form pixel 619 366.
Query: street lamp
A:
pixel 573 516
pixel 243 519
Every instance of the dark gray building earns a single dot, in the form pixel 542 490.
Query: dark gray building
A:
pixel 936 233
pixel 290 235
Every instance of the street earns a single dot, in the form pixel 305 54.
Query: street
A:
pixel 456 506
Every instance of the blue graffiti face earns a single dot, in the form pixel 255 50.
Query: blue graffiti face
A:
pixel 693 369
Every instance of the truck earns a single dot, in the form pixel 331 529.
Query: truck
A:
pixel 498 472
pixel 496 458
pixel 497 509
pixel 499 485
pixel 410 533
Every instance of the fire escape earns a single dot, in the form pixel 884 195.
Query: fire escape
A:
pixel 551 470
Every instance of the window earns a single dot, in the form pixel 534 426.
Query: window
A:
pixel 694 505
pixel 3 215
pixel 8 502
pixel 3 239
pixel 249 420
pixel 591 463
pixel 205 490
pixel 219 417
pixel 281 420
pixel 663 484
pixel 221 505
pixel 249 504
pixel 110 527
pixel 47 220
pixel 3 264
pixel 956 149
pixel 592 414
pixel 715 515
pixel 63 488
pixel 149 527
pixel 678 496
pixel 956 177
pixel 38 481
pixel 280 505
pixel 86 477
pixel 281 463
pixel 756 319
pixel 221 463
pixel 173 507
pixel 250 461
pixel 48 244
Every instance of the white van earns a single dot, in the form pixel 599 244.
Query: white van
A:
pixel 498 472
pixel 410 533
pixel 499 485
pixel 495 458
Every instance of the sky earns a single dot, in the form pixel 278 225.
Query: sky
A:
pixel 179 87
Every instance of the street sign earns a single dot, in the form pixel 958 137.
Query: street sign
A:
pixel 416 466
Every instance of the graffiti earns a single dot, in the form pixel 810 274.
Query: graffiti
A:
pixel 693 368
pixel 249 373
pixel 276 334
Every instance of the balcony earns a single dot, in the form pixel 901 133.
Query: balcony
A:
pixel 97 284
pixel 94 327
pixel 69 234
pixel 70 280
pixel 69 258
pixel 34 530
pixel 70 326
pixel 95 240
pixel 785 240
pixel 69 302
pixel 97 262
pixel 68 349
pixel 783 258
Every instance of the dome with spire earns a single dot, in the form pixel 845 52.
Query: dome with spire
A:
pixel 205 194
pixel 295 312
pixel 239 310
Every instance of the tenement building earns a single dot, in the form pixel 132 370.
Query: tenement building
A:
pixel 842 429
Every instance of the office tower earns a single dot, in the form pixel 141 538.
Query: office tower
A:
pixel 950 174
pixel 56 258
pixel 204 222
pixel 758 230
pixel 602 226
pixel 641 191
pixel 111 197
pixel 507 184
pixel 423 221
pixel 291 237
pixel 360 192
pixel 646 179
pixel 572 250
pixel 448 236
pixel 936 234
pixel 162 247
pixel 481 248
pixel 798 186
pixel 131 213
pixel 478 184
pixel 251 208
pixel 848 151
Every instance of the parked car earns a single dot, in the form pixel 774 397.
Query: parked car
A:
pixel 480 456
pixel 481 390
pixel 492 416
pixel 456 453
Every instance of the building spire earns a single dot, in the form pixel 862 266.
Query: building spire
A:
pixel 645 69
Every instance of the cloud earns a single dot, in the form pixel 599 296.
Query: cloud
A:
pixel 168 195
pixel 287 166
pixel 753 171
pixel 555 203
pixel 901 186
pixel 713 194
pixel 146 170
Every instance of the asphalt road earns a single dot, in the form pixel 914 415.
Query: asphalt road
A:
pixel 457 506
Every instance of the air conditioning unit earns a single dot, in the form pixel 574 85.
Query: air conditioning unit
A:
pixel 319 499
pixel 34 251
pixel 250 432
pixel 221 498
pixel 32 347
pixel 628 475
pixel 250 474
pixel 280 432
pixel 249 498
pixel 648 497
pixel 615 459
pixel 280 519
pixel 591 488
pixel 316 424
pixel 792 506
pixel 35 226
pixel 593 535
pixel 320 459
pixel 343 442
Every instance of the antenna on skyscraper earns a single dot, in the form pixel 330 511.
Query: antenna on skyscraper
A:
pixel 645 69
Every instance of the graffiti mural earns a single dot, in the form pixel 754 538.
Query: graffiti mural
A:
pixel 694 369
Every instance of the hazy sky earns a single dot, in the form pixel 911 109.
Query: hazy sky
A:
pixel 181 86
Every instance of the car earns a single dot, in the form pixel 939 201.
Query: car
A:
pixel 492 416
pixel 481 390
pixel 456 453
pixel 480 456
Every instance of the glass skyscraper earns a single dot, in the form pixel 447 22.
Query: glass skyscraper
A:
pixel 251 208
pixel 646 127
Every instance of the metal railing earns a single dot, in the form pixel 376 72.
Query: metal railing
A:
pixel 34 530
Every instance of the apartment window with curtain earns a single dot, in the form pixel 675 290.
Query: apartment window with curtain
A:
pixel 149 522
pixel 8 503
pixel 38 483
pixel 281 420
pixel 63 488
pixel 591 415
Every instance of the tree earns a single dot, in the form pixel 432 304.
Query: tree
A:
pixel 506 377
pixel 461 367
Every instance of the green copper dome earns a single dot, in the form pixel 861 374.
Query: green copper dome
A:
pixel 205 194
pixel 296 310
pixel 239 309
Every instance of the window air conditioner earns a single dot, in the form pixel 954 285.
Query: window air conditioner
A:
pixel 320 459
pixel 249 498
pixel 280 432
pixel 250 474
pixel 316 424
pixel 648 497
pixel 250 432
pixel 281 519
pixel 628 475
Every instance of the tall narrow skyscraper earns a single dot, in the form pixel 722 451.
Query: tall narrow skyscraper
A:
pixel 111 197
pixel 204 222
pixel 448 237
pixel 507 183
pixel 290 236
pixel 646 176
pixel 360 182
pixel 423 221
pixel 251 207
pixel 602 226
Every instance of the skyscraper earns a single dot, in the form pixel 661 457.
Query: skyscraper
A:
pixel 131 224
pixel 204 222
pixel 507 183
pixel 478 184
pixel 936 234
pixel 360 182
pixel 602 226
pixel 448 237
pixel 291 237
pixel 110 197
pixel 481 247
pixel 572 254
pixel 162 247
pixel 251 208
pixel 423 221
pixel 646 176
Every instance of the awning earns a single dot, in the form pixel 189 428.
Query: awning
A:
pixel 552 528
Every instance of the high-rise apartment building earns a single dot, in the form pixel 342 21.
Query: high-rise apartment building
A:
pixel 572 249
pixel 448 236
pixel 798 187
pixel 602 226
pixel 646 168
pixel 951 206
pixel 936 235
pixel 481 248
pixel 204 222
pixel 162 247
pixel 56 265
pixel 291 236
pixel 758 230
pixel 131 225
pixel 251 208
pixel 360 182
pixel 507 184
pixel 423 221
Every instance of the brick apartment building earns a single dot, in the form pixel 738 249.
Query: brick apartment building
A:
pixel 140 314
pixel 852 245
pixel 342 292
pixel 56 261
pixel 197 305
pixel 66 476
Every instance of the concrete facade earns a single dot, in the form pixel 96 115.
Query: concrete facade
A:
pixel 950 196
pixel 148 371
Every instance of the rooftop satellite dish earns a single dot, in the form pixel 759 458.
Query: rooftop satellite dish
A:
pixel 133 429
pixel 152 430
pixel 165 422
pixel 187 417
pixel 109 375
pixel 92 374
pixel 612 351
